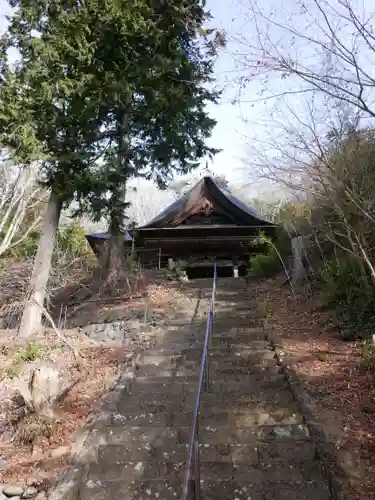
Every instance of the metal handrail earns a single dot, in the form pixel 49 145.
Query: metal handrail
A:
pixel 192 482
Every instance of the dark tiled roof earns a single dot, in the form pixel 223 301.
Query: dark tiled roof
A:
pixel 105 236
pixel 178 211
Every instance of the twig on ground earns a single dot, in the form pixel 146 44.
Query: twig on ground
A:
pixel 77 355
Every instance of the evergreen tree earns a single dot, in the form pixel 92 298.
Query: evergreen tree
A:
pixel 46 115
pixel 153 64
pixel 103 92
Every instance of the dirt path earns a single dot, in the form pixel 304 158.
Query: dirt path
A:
pixel 254 444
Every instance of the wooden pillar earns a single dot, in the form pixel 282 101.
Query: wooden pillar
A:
pixel 235 267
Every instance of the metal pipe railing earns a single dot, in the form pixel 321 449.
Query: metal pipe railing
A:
pixel 192 483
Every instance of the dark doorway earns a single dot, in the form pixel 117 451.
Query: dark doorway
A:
pixel 207 272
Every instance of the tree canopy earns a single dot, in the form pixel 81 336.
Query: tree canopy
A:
pixel 123 96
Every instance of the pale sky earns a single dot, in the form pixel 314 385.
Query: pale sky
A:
pixel 242 128
pixel 226 134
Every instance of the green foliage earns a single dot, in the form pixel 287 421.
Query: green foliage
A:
pixel 279 242
pixel 179 267
pixel 264 265
pixel 124 96
pixel 71 240
pixel 270 261
pixel 26 248
pixel 352 295
pixel 139 72
pixel 45 114
pixel 31 353
pixel 151 66
pixel 337 276
pixel 282 241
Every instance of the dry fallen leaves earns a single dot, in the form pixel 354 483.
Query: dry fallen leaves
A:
pixel 102 365
pixel 342 393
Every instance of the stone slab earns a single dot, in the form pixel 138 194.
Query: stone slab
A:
pixel 315 490
pixel 169 490
pixel 176 452
pixel 287 451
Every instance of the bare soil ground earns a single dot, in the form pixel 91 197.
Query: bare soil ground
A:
pixel 98 367
pixel 341 390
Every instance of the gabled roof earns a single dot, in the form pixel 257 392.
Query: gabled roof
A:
pixel 191 202
pixel 106 236
pixel 95 240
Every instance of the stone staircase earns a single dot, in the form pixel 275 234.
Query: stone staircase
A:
pixel 254 444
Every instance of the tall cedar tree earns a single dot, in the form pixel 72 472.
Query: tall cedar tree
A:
pixel 46 115
pixel 129 88
pixel 153 64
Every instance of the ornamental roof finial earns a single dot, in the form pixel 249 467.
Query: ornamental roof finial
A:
pixel 206 171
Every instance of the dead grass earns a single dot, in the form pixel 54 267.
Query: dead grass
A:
pixel 38 441
pixel 343 394
pixel 47 448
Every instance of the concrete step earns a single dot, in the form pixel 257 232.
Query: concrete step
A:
pixel 143 469
pixel 250 411
pixel 265 402
pixel 194 350
pixel 219 354
pixel 223 393
pixel 143 387
pixel 238 338
pixel 209 416
pixel 224 331
pixel 152 469
pixel 212 433
pixel 221 326
pixel 165 490
pixel 166 440
pixel 218 345
pixel 258 378
pixel 159 360
pixel 216 489
pixel 223 359
pixel 120 453
pixel 219 370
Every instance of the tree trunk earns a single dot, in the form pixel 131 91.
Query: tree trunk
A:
pixel 32 314
pixel 116 245
pixel 298 269
pixel 115 260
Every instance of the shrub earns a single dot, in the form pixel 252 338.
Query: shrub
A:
pixel 270 259
pixel 71 241
pixel 264 265
pixel 352 294
pixel 27 248
pixel 336 277
pixel 31 353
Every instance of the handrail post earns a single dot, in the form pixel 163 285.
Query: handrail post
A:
pixel 211 328
pixel 207 373
pixel 192 483
pixel 197 475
